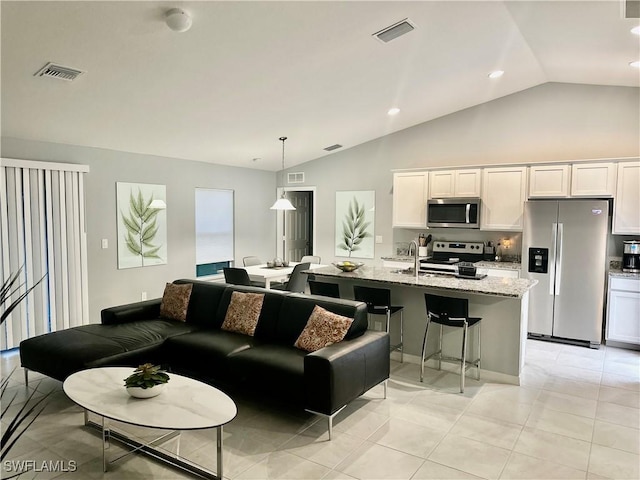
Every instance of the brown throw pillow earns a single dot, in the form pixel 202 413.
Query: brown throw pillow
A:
pixel 323 328
pixel 243 313
pixel 175 301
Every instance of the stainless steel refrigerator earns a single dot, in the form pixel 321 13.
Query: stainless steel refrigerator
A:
pixel 564 247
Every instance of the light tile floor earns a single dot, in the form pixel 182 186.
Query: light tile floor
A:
pixel 576 415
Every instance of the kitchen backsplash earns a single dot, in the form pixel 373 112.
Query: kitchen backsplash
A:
pixel 510 252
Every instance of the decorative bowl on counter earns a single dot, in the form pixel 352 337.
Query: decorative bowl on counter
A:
pixel 348 266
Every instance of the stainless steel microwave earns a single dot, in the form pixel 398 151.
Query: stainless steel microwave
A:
pixel 453 213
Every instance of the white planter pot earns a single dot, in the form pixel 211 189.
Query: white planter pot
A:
pixel 139 392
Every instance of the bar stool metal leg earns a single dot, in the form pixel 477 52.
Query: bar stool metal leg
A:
pixel 439 352
pixel 401 338
pixel 424 348
pixel 463 360
pixel 478 333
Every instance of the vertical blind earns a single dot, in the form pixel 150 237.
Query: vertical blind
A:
pixel 43 233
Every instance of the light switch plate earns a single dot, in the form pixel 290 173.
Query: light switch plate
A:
pixel 105 243
pixel 378 238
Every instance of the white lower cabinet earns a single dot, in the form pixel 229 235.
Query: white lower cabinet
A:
pixel 623 315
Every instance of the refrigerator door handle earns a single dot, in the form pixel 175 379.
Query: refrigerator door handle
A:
pixel 552 258
pixel 559 261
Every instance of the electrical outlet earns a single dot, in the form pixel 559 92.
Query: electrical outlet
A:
pixel 143 296
pixel 377 326
pixel 378 238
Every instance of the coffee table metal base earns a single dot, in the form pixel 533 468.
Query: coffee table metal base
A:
pixel 150 450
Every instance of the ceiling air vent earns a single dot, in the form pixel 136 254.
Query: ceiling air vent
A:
pixel 295 177
pixel 394 31
pixel 58 71
pixel 333 147
pixel 631 8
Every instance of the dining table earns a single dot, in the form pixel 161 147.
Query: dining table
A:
pixel 267 274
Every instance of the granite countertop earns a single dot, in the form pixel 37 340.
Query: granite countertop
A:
pixel 401 258
pixel 617 272
pixel 502 287
pixel 499 265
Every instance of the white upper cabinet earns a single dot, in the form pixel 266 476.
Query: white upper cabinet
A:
pixel 455 183
pixel 503 196
pixel 593 180
pixel 410 195
pixel 626 205
pixel 441 183
pixel 549 181
pixel 468 183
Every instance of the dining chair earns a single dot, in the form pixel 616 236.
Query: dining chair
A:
pixel 249 261
pixel 310 259
pixel 236 276
pixel 297 280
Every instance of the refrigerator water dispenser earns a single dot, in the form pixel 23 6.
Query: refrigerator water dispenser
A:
pixel 538 260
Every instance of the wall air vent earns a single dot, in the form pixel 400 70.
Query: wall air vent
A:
pixel 58 71
pixel 394 31
pixel 631 8
pixel 295 177
pixel 333 147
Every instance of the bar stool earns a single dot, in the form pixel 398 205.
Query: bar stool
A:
pixel 325 289
pixel 378 302
pixel 450 312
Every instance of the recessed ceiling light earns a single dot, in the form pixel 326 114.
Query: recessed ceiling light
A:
pixel 496 74
pixel 635 64
pixel 393 111
pixel 636 30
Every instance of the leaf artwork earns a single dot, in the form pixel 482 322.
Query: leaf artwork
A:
pixel 354 227
pixel 142 226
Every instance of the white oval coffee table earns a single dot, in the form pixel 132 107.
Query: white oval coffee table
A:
pixel 185 404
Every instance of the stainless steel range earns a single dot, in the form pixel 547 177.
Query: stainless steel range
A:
pixel 447 256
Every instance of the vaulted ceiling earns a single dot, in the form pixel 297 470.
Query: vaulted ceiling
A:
pixel 247 73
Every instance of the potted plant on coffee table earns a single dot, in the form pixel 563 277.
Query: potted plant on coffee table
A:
pixel 146 381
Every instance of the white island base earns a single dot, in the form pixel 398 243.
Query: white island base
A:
pixel 502 303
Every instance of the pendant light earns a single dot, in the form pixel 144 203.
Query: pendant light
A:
pixel 282 203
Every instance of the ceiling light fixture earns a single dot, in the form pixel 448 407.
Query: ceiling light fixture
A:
pixel 636 30
pixel 178 20
pixel 635 64
pixel 496 74
pixel 393 111
pixel 282 203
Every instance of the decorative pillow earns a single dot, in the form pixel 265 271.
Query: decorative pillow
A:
pixel 243 313
pixel 175 301
pixel 322 329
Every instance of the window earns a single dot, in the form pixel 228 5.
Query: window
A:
pixel 214 230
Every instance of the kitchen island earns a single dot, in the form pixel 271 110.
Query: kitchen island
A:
pixel 501 302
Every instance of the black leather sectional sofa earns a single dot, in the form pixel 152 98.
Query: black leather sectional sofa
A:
pixel 268 364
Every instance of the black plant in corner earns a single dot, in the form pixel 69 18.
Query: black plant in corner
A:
pixel 12 293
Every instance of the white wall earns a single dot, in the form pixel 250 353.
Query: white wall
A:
pixel 550 122
pixel 108 286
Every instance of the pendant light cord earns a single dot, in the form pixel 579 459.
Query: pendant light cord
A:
pixel 282 139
